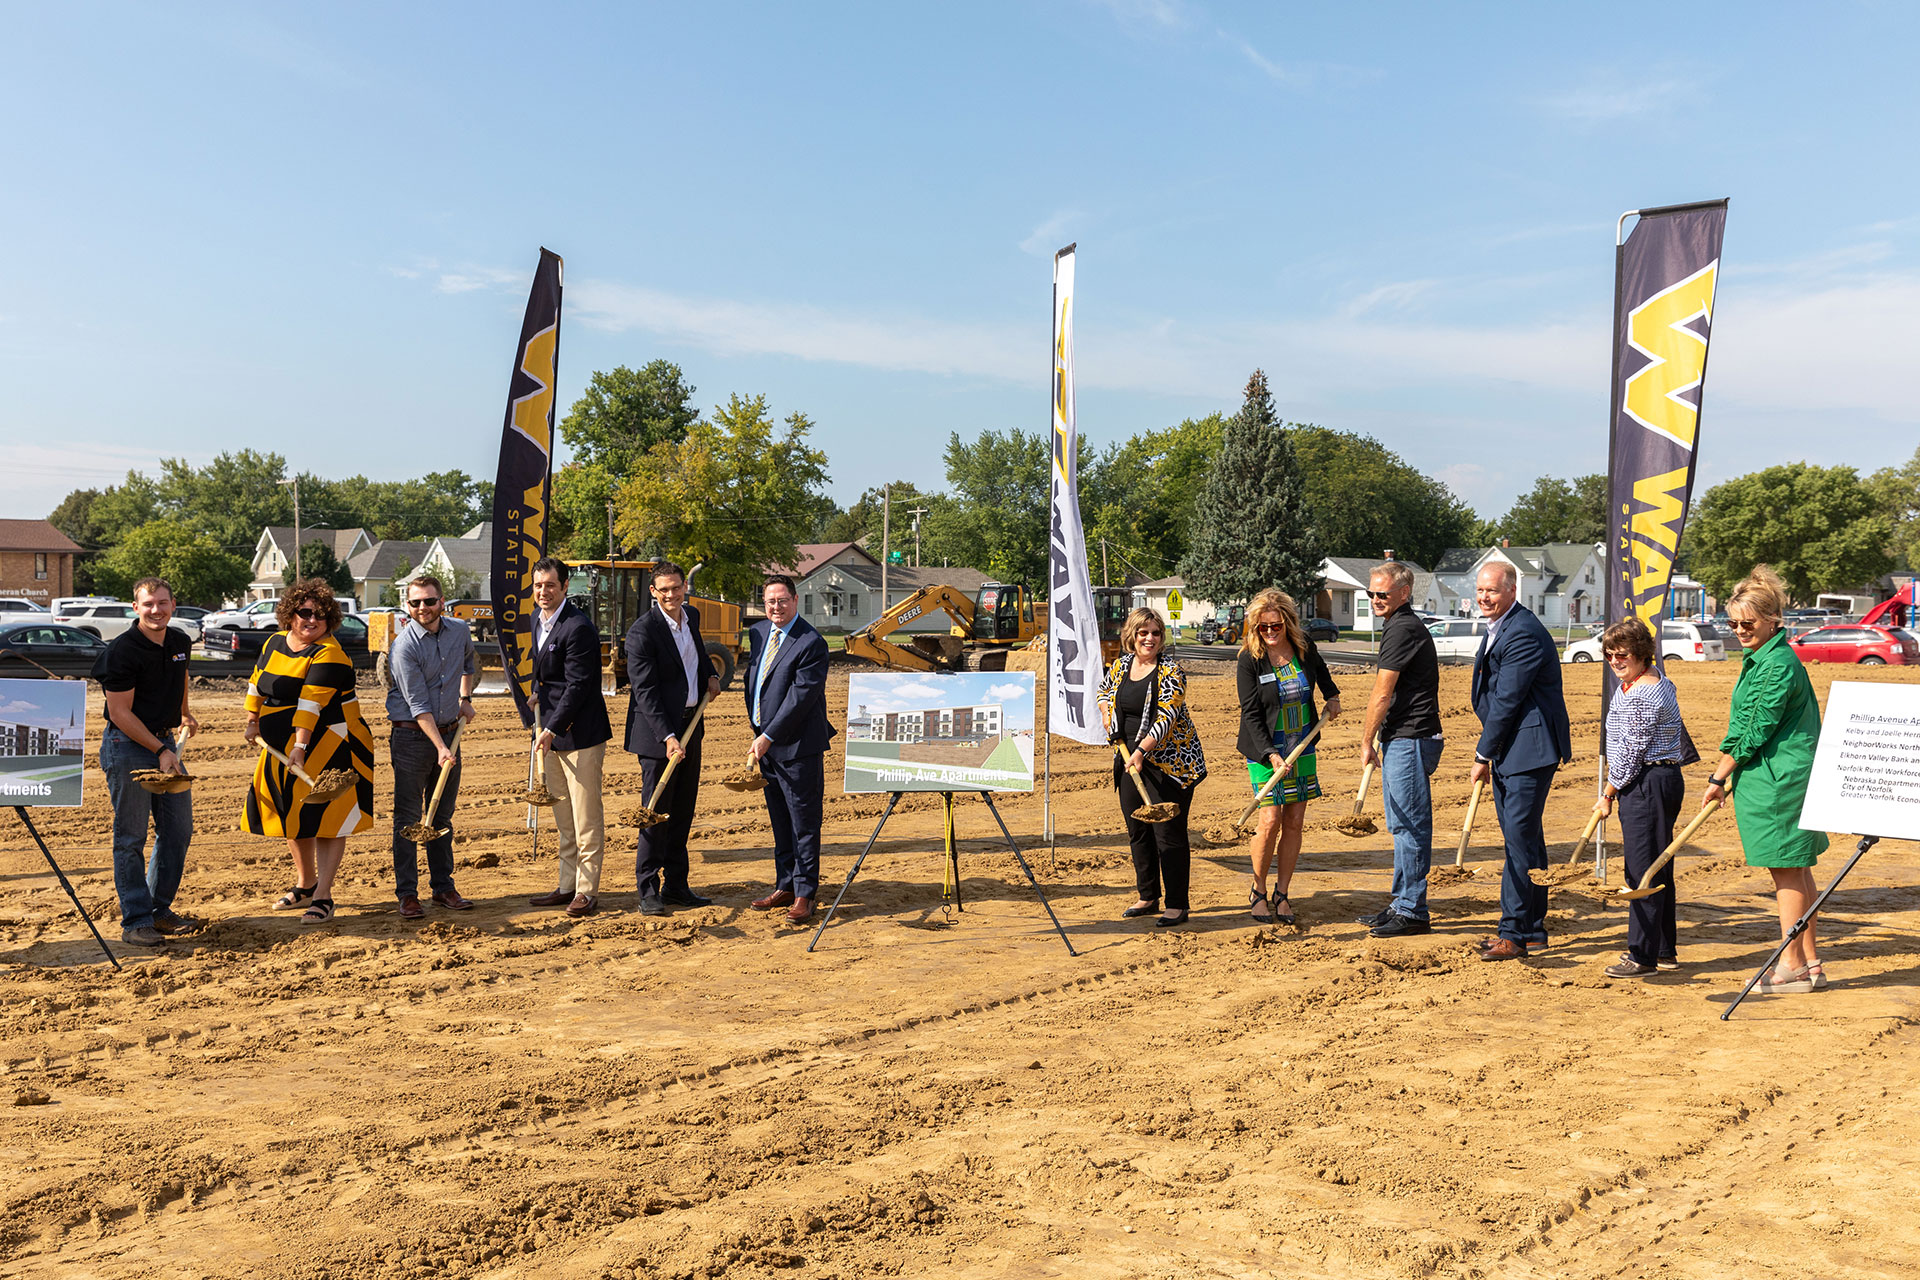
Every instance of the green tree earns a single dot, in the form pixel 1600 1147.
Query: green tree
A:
pixel 1252 525
pixel 1140 495
pixel 439 503
pixel 74 517
pixel 200 570
pixel 997 520
pixel 577 528
pixel 1558 511
pixel 233 497
pixel 1365 498
pixel 1819 527
pixel 610 431
pixel 737 494
pixel 1895 489
pixel 318 561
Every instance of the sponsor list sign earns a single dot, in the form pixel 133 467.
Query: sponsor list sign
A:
pixel 1866 771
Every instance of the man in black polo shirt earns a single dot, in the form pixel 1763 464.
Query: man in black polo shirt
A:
pixel 1405 715
pixel 144 674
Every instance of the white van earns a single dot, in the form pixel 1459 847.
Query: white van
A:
pixel 1457 639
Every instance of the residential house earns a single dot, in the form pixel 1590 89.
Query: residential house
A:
pixel 273 554
pixel 1168 597
pixel 376 571
pixel 1453 580
pixel 463 561
pixel 1343 599
pixel 1561 581
pixel 36 561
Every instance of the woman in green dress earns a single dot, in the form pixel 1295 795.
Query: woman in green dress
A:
pixel 1767 759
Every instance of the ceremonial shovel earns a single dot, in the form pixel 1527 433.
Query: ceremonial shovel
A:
pixel 423 831
pixel 1646 888
pixel 746 778
pixel 648 814
pixel 1551 876
pixel 167 783
pixel 1355 823
pixel 316 793
pixel 536 792
pixel 1152 810
pixel 1458 871
pixel 1239 829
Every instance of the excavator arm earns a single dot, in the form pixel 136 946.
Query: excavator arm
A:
pixel 927 651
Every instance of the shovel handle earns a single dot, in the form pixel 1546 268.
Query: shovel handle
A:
pixel 1286 767
pixel 292 768
pixel 1679 842
pixel 1466 828
pixel 1586 836
pixel 446 771
pixel 1366 780
pixel 1138 781
pixel 660 787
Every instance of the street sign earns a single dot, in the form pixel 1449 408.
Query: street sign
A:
pixel 1173 605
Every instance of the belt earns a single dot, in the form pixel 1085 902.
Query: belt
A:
pixel 445 728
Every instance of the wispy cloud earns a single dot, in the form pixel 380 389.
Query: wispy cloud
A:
pixel 1047 238
pixel 468 279
pixel 1611 97
pixel 1387 296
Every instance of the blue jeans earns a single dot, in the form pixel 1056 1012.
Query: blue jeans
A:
pixel 1406 764
pixel 1521 801
pixel 146 883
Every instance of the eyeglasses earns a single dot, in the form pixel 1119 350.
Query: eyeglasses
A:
pixel 1618 656
pixel 306 615
pixel 1743 624
pixel 1379 595
pixel 1274 627
pixel 421 604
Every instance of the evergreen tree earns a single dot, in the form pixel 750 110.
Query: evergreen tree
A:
pixel 318 561
pixel 1252 526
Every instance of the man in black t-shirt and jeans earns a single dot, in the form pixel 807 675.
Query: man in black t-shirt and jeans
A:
pixel 1405 715
pixel 144 674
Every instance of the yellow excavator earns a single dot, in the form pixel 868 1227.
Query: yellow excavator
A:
pixel 1001 617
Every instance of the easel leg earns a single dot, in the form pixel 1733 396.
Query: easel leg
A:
pixel 1800 925
pixel 988 797
pixel 952 887
pixel 65 883
pixel 893 799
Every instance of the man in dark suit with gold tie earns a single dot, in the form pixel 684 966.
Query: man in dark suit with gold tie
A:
pixel 786 688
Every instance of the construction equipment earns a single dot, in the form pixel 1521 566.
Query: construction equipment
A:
pixel 616 592
pixel 1110 606
pixel 1001 617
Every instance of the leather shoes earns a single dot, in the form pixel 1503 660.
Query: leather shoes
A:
pixel 778 898
pixel 583 905
pixel 650 905
pixel 1381 917
pixel 801 911
pixel 1399 926
pixel 1505 949
pixel 410 908
pixel 452 901
pixel 165 921
pixel 685 898
pixel 558 898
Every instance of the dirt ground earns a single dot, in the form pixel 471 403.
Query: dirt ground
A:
pixel 508 1093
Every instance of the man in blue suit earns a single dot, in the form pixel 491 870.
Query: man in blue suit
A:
pixel 1524 739
pixel 786 690
pixel 667 671
pixel 574 730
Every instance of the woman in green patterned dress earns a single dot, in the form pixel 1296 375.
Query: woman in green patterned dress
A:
pixel 1772 728
pixel 1278 671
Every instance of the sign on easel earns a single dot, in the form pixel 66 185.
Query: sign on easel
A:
pixel 1866 770
pixel 970 731
pixel 43 736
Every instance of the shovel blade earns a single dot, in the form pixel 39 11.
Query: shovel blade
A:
pixel 1629 894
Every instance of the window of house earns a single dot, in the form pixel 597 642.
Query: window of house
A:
pixel 40 566
pixel 806 603
pixel 853 605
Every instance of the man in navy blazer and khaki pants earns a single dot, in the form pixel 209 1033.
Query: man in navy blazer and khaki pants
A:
pixel 574 730
pixel 1524 739
pixel 787 710
pixel 667 670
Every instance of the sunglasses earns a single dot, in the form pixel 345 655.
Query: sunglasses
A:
pixel 1274 627
pixel 1379 595
pixel 306 615
pixel 1738 624
pixel 421 604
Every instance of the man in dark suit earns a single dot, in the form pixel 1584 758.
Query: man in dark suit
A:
pixel 786 690
pixel 574 731
pixel 1524 739
pixel 667 670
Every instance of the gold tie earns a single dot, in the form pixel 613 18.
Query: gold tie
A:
pixel 766 665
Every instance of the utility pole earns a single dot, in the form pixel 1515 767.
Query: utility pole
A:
pixel 297 573
pixel 1105 581
pixel 917 512
pixel 610 551
pixel 886 512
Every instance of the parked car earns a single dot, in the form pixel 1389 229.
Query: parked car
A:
pixel 1457 639
pixel 114 619
pixel 1679 642
pixel 60 604
pixel 257 616
pixel 1868 646
pixel 245 643
pixel 63 649
pixel 14 604
pixel 1322 630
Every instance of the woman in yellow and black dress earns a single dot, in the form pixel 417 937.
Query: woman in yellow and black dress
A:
pixel 302 702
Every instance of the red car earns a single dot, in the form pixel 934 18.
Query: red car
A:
pixel 1869 646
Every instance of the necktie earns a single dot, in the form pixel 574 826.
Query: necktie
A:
pixel 766 665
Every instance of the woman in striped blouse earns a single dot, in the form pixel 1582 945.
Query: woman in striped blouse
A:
pixel 1646 745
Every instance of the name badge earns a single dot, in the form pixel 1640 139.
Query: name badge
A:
pixel 1269 678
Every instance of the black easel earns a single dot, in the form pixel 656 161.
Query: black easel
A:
pixel 952 855
pixel 64 882
pixel 1800 925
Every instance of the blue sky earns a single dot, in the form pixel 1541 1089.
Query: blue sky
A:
pixel 310 228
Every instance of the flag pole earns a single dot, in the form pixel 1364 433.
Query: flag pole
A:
pixel 1046 675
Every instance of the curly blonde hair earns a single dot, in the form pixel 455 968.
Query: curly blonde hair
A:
pixel 1273 600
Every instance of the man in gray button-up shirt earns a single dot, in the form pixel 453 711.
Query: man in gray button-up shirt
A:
pixel 435 667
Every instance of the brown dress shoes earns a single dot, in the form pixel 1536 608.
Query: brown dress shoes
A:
pixel 1504 949
pixel 801 911
pixel 558 898
pixel 583 905
pixel 778 898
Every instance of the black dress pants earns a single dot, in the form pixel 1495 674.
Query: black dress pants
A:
pixel 662 851
pixel 1162 855
pixel 1648 809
